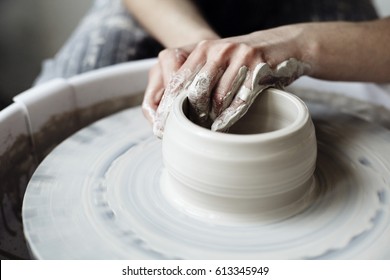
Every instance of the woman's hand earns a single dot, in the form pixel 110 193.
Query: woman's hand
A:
pixel 220 77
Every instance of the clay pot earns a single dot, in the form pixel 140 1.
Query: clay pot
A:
pixel 261 170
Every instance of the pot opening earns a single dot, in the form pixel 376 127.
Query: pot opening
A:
pixel 270 112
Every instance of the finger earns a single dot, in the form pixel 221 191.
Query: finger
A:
pixel 242 59
pixel 175 86
pixel 262 79
pixel 153 93
pixel 199 91
pixel 226 89
pixel 216 55
pixel 232 113
pixel 171 60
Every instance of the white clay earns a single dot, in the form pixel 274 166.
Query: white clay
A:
pixel 263 175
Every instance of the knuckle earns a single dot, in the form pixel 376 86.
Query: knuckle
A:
pixel 180 56
pixel 202 49
pixel 248 53
pixel 210 46
pixel 162 54
pixel 205 44
pixel 166 53
pixel 225 50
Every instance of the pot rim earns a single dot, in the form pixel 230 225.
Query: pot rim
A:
pixel 300 121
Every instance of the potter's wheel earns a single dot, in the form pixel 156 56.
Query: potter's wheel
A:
pixel 98 195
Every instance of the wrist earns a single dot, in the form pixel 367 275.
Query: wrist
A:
pixel 331 49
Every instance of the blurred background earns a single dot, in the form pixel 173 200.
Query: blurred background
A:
pixel 33 30
pixel 30 31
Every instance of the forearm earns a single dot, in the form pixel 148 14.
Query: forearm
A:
pixel 344 51
pixel 349 51
pixel 172 22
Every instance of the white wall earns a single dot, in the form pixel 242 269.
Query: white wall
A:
pixel 30 31
pixel 383 7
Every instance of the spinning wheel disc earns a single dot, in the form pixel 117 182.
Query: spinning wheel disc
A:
pixel 98 195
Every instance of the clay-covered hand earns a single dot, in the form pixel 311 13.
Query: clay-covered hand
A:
pixel 220 77
pixel 263 77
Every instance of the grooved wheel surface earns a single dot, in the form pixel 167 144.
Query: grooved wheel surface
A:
pixel 98 196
